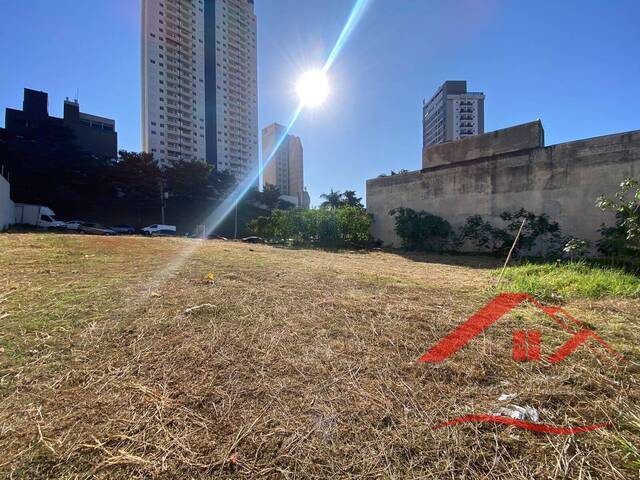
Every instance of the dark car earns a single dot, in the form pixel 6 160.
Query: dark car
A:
pixel 95 229
pixel 253 240
pixel 125 229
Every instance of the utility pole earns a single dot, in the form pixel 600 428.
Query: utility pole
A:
pixel 163 196
pixel 235 227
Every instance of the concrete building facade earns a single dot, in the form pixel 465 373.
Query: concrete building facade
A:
pixel 452 113
pixel 92 134
pixel 199 83
pixel 286 168
pixel 7 207
pixel 507 170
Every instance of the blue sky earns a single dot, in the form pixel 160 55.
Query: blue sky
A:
pixel 573 64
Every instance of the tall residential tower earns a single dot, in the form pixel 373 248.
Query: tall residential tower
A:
pixel 286 168
pixel 199 83
pixel 452 114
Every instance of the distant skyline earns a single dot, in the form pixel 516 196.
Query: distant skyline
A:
pixel 572 64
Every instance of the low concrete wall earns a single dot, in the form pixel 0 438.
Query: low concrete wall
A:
pixel 562 181
pixel 7 208
pixel 508 140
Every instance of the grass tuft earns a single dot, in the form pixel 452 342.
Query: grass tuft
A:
pixel 570 280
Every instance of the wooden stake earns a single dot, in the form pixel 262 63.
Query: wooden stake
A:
pixel 511 251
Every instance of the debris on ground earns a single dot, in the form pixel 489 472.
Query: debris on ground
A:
pixel 195 308
pixel 505 397
pixel 520 413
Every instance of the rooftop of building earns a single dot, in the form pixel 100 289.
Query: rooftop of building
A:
pixel 500 143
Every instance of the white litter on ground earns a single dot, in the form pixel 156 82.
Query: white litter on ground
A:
pixel 520 413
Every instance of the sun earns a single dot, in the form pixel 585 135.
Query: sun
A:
pixel 312 88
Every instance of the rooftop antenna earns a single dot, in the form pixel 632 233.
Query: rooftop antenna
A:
pixel 77 94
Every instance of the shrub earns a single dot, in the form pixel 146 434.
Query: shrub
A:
pixel 421 230
pixel 576 248
pixel 538 231
pixel 354 224
pixel 623 239
pixel 331 228
pixel 481 234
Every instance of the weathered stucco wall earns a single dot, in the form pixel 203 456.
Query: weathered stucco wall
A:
pixel 7 208
pixel 562 181
pixel 508 140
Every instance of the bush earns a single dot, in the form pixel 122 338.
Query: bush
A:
pixel 481 234
pixel 538 232
pixel 623 239
pixel 421 230
pixel 327 227
pixel 576 248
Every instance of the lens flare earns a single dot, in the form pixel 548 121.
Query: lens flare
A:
pixel 312 91
pixel 312 88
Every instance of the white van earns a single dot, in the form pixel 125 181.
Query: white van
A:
pixel 37 215
pixel 158 229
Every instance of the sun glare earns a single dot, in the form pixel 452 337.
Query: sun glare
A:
pixel 312 88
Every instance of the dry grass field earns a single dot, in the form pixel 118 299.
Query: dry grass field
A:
pixel 295 364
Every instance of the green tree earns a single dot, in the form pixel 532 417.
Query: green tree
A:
pixel 137 177
pixel 271 196
pixel 350 199
pixel 332 199
pixel 187 179
pixel 220 183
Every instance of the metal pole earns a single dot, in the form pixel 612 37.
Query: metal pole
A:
pixel 162 202
pixel 511 251
pixel 235 228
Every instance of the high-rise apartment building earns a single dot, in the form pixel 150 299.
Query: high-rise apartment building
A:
pixel 286 168
pixel 199 83
pixel 452 114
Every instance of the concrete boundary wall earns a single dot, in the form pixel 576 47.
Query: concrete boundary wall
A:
pixel 7 208
pixel 562 181
pixel 507 140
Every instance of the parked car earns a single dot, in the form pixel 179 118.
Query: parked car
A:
pixel 164 233
pixel 159 230
pixel 36 215
pixel 215 236
pixel 73 224
pixel 95 229
pixel 125 229
pixel 253 240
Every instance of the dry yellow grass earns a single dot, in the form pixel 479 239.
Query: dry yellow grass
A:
pixel 298 364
